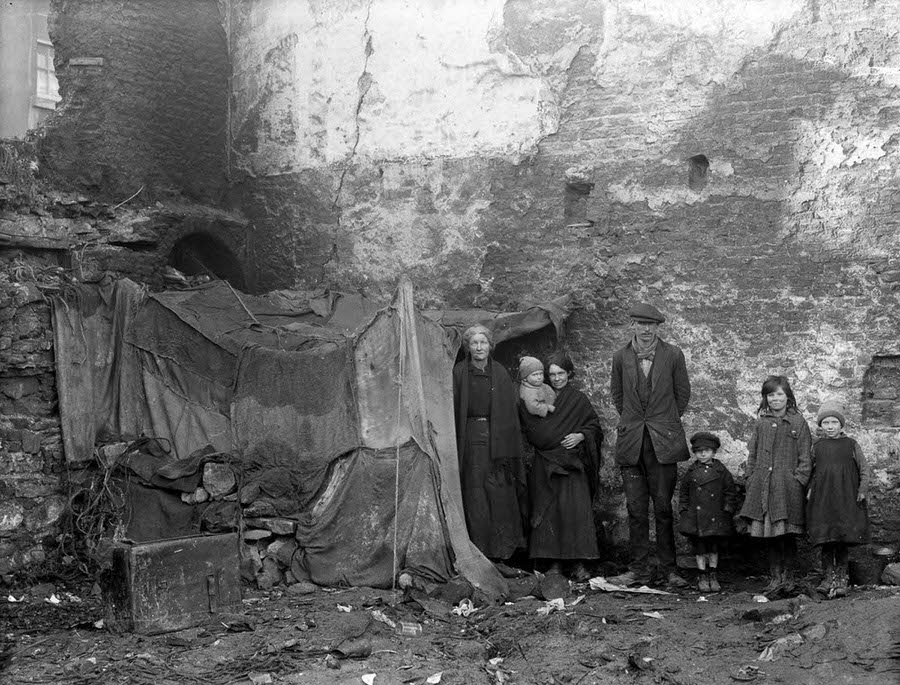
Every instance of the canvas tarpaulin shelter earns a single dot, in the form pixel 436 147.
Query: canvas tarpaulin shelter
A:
pixel 344 408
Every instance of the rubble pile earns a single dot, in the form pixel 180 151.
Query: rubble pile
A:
pixel 220 498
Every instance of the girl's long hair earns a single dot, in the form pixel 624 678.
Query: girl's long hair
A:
pixel 770 385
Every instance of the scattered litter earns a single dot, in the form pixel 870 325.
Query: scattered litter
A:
pixel 378 615
pixel 500 675
pixel 434 679
pixel 557 604
pixel 601 583
pixel 259 678
pixel 237 623
pixel 815 632
pixel 353 648
pixel 368 678
pixel 464 608
pixel 760 598
pixel 701 598
pixel 746 673
pixel 781 645
pixel 781 618
pixel 72 598
pixel 346 608
pixel 578 600
pixel 99 624
pixel 13 599
pixel 53 599
pixel 652 614
pixel 409 628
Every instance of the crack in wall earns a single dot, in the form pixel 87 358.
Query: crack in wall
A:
pixel 363 84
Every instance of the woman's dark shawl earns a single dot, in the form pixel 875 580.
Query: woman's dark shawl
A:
pixel 574 414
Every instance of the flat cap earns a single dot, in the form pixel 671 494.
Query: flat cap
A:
pixel 646 312
pixel 704 439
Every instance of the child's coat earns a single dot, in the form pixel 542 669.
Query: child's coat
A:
pixel 707 500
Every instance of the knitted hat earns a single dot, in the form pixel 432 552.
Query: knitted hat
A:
pixel 646 312
pixel 703 440
pixel 528 365
pixel 830 408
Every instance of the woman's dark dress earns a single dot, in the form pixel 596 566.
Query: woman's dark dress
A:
pixel 832 512
pixel 563 481
pixel 491 470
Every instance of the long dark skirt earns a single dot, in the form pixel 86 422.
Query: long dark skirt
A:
pixel 489 494
pixel 562 523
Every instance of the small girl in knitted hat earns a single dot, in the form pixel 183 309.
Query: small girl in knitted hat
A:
pixel 836 516
pixel 537 396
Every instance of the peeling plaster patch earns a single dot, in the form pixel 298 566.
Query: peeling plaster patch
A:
pixel 547 34
pixel 719 167
pixel 749 21
pixel 867 149
pixel 438 87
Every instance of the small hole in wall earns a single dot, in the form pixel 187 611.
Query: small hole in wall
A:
pixel 576 200
pixel 698 172
pixel 881 393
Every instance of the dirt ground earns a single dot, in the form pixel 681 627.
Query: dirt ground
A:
pixel 343 636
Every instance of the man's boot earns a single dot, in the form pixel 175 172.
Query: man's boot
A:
pixel 713 581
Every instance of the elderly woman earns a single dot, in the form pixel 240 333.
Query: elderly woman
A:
pixel 489 443
pixel 564 475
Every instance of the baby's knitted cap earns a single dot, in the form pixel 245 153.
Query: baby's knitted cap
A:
pixel 528 365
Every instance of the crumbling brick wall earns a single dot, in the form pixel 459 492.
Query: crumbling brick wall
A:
pixel 737 165
pixel 31 498
pixel 144 88
pixel 50 239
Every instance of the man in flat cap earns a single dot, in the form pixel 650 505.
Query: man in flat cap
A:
pixel 651 390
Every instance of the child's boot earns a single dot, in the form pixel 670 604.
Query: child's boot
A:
pixel 703 582
pixel 713 581
pixel 842 581
pixel 827 583
pixel 775 576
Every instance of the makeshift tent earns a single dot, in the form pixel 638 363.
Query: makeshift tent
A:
pixel 350 405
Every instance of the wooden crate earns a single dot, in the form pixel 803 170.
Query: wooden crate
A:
pixel 166 585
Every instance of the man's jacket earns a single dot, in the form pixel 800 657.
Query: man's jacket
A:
pixel 670 392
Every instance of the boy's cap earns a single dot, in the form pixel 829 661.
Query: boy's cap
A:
pixel 830 409
pixel 646 312
pixel 703 439
pixel 528 365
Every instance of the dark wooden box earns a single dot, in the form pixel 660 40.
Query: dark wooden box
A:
pixel 158 587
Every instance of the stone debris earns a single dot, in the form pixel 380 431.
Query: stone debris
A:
pixel 218 479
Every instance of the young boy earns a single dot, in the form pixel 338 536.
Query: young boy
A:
pixel 707 500
pixel 537 396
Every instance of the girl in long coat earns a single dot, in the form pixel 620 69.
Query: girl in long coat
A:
pixel 836 512
pixel 779 462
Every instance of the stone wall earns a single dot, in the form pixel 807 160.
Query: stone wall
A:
pixel 735 163
pixel 31 499
pixel 50 239
pixel 144 88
